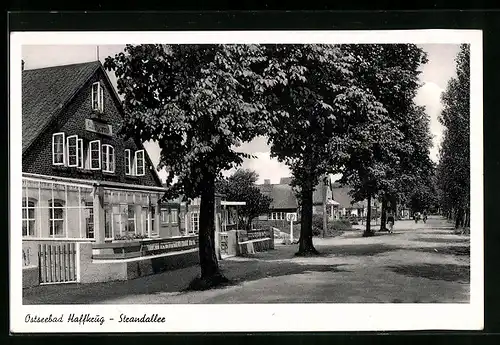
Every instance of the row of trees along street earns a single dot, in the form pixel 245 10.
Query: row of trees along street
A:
pixel 453 172
pixel 325 109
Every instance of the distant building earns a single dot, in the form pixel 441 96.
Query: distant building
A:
pixel 339 203
pixel 284 200
pixel 344 205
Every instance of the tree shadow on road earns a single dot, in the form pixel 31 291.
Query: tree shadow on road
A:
pixel 173 282
pixel 449 250
pixel 258 269
pixel 288 252
pixel 446 272
pixel 441 240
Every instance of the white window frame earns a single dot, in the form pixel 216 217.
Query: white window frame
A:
pixel 108 163
pixel 81 160
pixel 90 154
pixel 26 207
pixel 52 220
pixel 164 216
pixel 75 156
pixel 137 163
pixel 89 205
pixel 174 220
pixel 59 134
pixel 128 165
pixel 195 229
pixel 100 97
pixel 151 216
pixel 134 219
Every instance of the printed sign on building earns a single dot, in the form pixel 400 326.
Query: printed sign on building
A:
pixel 97 127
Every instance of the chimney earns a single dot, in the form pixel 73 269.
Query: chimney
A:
pixel 22 65
pixel 267 181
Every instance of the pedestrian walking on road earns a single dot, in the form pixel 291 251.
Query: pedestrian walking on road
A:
pixel 416 216
pixel 390 222
pixel 424 216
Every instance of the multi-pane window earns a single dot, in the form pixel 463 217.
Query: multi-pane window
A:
pixel 195 222
pixel 139 163
pixel 95 155
pixel 164 215
pixel 89 220
pixel 56 218
pixel 72 146
pixel 97 97
pixel 58 152
pixel 130 219
pixel 28 217
pixel 153 228
pixel 128 162
pixel 278 216
pixel 108 158
pixel 108 230
pixel 174 215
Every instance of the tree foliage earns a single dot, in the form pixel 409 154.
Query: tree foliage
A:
pixel 318 111
pixel 393 153
pixel 453 173
pixel 241 186
pixel 197 102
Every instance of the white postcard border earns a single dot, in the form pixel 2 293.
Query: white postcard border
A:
pixel 255 317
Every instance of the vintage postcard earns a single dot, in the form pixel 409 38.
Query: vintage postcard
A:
pixel 246 181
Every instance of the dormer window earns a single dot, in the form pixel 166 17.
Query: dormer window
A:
pixel 97 97
pixel 58 149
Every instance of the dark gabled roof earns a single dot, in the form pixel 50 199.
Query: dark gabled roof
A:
pixel 341 195
pixel 283 196
pixel 46 91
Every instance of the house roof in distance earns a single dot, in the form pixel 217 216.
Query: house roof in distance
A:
pixel 283 196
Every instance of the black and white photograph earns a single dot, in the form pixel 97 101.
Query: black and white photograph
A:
pixel 160 179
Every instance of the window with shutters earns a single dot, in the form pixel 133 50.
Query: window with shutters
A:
pixel 58 149
pixel 108 158
pixel 72 147
pixel 95 155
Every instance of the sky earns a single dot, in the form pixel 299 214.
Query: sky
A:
pixel 434 78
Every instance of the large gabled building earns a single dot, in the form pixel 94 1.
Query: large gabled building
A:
pixel 81 180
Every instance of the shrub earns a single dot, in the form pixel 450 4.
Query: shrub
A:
pixel 334 228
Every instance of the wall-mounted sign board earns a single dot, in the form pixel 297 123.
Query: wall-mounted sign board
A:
pixel 97 127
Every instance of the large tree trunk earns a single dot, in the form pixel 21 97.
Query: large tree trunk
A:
pixel 368 231
pixel 383 214
pixel 306 246
pixel 210 273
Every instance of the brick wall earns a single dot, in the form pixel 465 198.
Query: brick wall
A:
pixel 38 158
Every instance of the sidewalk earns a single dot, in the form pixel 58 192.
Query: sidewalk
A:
pixel 418 263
